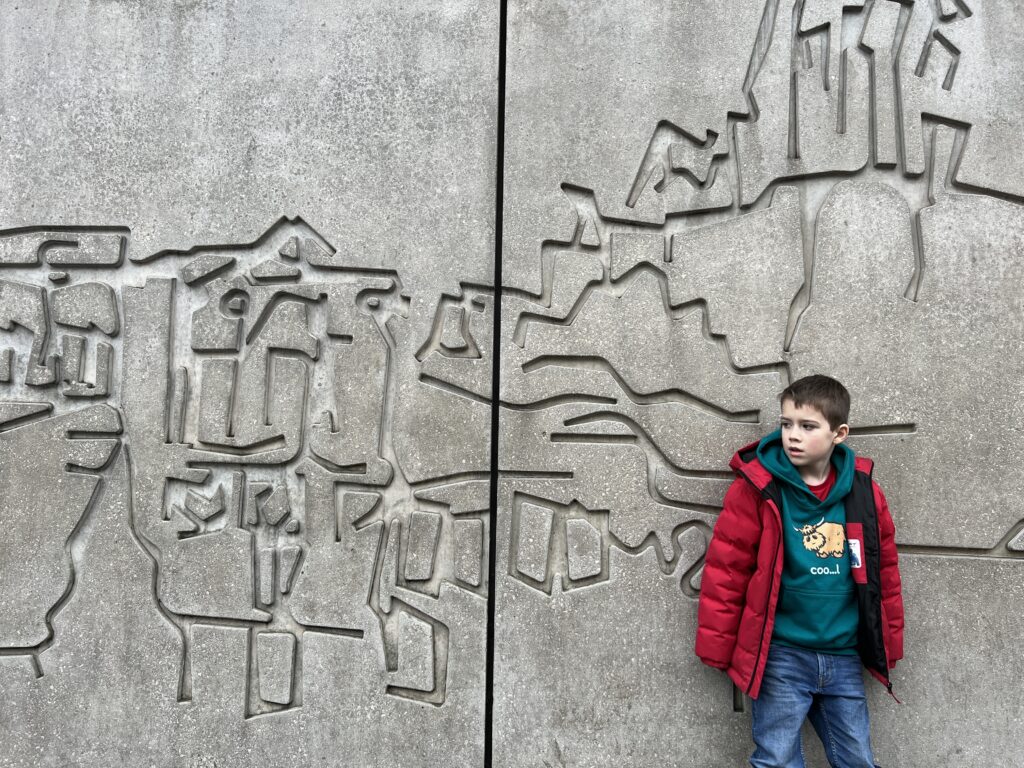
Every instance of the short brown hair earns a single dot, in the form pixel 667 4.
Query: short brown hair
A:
pixel 824 393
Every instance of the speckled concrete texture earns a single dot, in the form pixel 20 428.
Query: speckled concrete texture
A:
pixel 247 354
pixel 703 204
pixel 231 234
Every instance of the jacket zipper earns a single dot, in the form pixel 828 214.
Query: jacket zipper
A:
pixel 767 610
pixel 883 678
pixel 771 584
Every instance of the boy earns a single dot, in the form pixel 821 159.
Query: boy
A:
pixel 801 584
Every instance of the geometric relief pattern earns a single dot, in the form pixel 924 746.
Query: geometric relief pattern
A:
pixel 296 464
pixel 247 396
pixel 654 348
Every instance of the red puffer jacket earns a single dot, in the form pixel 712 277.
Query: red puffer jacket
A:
pixel 743 571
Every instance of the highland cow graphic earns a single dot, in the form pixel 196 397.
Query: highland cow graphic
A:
pixel 823 539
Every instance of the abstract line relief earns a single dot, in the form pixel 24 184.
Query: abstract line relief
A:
pixel 242 399
pixel 656 346
pixel 249 404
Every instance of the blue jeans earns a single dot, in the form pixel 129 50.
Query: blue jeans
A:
pixel 826 689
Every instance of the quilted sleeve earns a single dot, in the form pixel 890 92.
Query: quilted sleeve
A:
pixel 728 567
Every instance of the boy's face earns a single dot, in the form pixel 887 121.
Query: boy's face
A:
pixel 807 438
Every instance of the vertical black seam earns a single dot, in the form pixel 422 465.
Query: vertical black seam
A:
pixel 492 549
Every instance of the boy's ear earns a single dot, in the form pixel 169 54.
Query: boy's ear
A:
pixel 842 432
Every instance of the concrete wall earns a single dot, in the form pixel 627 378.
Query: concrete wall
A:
pixel 247 313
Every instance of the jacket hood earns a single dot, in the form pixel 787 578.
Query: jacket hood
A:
pixel 745 463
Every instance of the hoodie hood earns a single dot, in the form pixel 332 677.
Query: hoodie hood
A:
pixel 774 459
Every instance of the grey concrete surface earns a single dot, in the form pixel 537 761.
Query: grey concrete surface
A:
pixel 751 193
pixel 247 314
pixel 226 234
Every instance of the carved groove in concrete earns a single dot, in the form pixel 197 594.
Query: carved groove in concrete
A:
pixel 826 108
pixel 834 221
pixel 250 390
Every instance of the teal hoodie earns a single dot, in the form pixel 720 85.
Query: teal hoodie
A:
pixel 817 607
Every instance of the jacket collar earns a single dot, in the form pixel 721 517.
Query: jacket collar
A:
pixel 863 464
pixel 745 462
